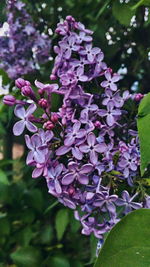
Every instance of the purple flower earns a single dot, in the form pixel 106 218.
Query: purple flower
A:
pixel 90 52
pixel 128 162
pixel 127 201
pixel 111 114
pixel 74 133
pixel 106 202
pixel 110 82
pixel 93 148
pixel 82 37
pixel 81 27
pixel 23 46
pixel 24 115
pixel 79 63
pixel 99 64
pixel 42 168
pixel 46 136
pixel 115 99
pixel 38 150
pixel 68 46
pixel 80 74
pixel 54 173
pixel 77 173
pixel 69 78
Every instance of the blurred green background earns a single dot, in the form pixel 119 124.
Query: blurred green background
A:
pixel 35 230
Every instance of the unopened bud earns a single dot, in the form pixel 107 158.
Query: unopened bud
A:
pixel 53 77
pixel 41 91
pixel 20 83
pixel 97 124
pixel 138 97
pixel 43 103
pixel 9 100
pixel 71 190
pixel 70 18
pixel 54 117
pixel 27 90
pixel 48 125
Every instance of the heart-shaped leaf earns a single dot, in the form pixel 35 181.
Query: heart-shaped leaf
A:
pixel 128 243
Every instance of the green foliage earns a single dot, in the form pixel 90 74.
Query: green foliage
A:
pixel 62 220
pixel 143 123
pixel 27 256
pixel 141 3
pixel 128 243
pixel 122 12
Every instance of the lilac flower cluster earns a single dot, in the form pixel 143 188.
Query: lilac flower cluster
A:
pixel 88 150
pixel 22 47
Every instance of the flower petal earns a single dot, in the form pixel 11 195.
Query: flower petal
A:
pixel 62 150
pixel 30 109
pixel 91 139
pixel 19 128
pixel 20 111
pixel 83 179
pixel 31 127
pixel 68 179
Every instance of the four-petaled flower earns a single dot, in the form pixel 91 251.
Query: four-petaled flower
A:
pixel 128 202
pixel 106 201
pixel 74 133
pixel 90 52
pixel 111 114
pixel 110 82
pixel 54 173
pixel 93 147
pixel 127 162
pixel 24 115
pixel 69 45
pixel 77 173
pixel 38 150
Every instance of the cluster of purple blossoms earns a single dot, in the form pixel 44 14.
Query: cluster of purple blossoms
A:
pixel 22 47
pixel 87 151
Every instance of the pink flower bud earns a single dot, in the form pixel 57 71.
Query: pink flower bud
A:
pixel 27 90
pixel 48 125
pixel 54 117
pixel 20 83
pixel 41 91
pixel 27 83
pixel 71 190
pixel 9 100
pixel 97 124
pixel 138 97
pixel 43 103
pixel 70 18
pixel 53 77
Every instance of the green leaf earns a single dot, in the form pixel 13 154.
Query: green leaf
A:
pixel 61 222
pixel 144 107
pixel 6 79
pixel 146 181
pixel 128 243
pixel 46 234
pixel 3 178
pixel 35 199
pixel 143 124
pixel 4 227
pixel 26 256
pixel 59 262
pixel 141 3
pixel 122 12
pixel 24 236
